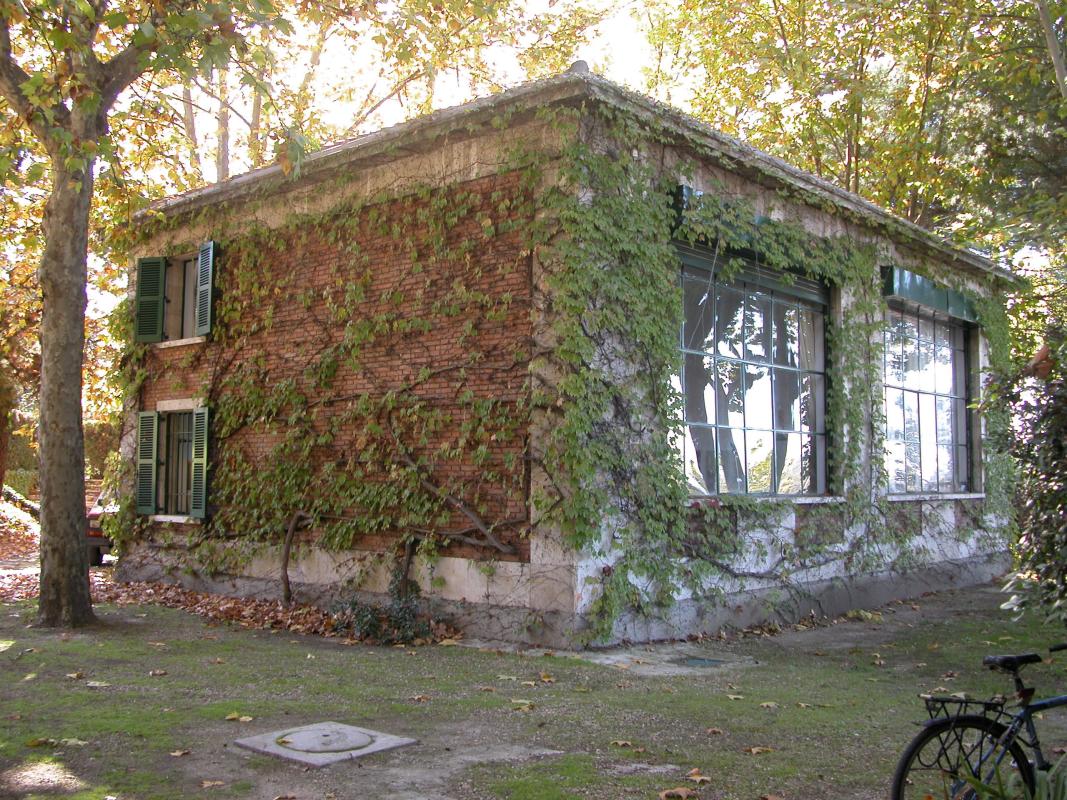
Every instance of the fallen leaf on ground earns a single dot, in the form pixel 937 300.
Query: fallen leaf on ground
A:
pixel 696 776
pixel 735 697
pixel 211 784
pixel 529 683
pixel 769 704
pixel 73 742
pixel 285 797
pixel 755 751
pixel 621 743
pixel 448 643
pixel 486 688
pixel 546 678
pixel 680 792
pixel 179 753
pixel 75 676
pixel 156 673
pixel 41 741
pixel 97 684
pixel 522 705
pixel 803 705
pixel 419 698
pixel 714 731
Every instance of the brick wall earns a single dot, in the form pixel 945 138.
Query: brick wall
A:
pixel 456 309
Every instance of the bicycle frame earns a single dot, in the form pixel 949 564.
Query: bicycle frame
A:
pixel 1022 727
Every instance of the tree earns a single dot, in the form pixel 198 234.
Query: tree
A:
pixel 63 66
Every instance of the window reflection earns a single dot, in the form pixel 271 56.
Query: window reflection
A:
pixel 753 389
pixel 925 403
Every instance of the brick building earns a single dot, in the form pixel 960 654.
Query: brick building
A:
pixel 360 355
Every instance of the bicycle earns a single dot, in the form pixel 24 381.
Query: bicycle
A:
pixel 967 742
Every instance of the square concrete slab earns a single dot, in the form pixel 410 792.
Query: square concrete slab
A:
pixel 322 743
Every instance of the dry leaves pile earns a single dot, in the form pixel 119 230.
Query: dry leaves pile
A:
pixel 17 539
pixel 248 613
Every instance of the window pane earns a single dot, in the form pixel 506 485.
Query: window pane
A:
pixel 894 359
pixel 911 416
pixel 729 322
pixel 731 460
pixel 730 403
pixel 812 403
pixel 894 415
pixel 943 373
pixel 926 329
pixel 944 334
pixel 700 459
pixel 946 425
pixel 812 346
pixel 912 475
pixel 760 458
pixel 786 335
pixel 757 327
pixel 758 410
pixel 699 393
pixel 895 466
pixel 911 363
pixel 786 400
pixel 946 469
pixel 790 457
pixel 928 441
pixel 961 468
pixel 699 313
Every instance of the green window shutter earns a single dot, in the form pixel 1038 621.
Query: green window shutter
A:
pixel 150 302
pixel 147 442
pixel 205 268
pixel 198 499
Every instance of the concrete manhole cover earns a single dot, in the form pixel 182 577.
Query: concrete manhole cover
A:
pixel 325 741
pixel 322 743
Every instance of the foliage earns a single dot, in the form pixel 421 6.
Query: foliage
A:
pixel 1040 449
pixel 397 622
pixel 23 481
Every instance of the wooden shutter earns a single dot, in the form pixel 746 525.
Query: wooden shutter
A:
pixel 205 267
pixel 147 443
pixel 150 302
pixel 198 488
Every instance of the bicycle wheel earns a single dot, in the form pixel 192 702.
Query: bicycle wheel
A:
pixel 946 751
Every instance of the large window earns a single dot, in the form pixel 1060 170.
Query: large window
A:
pixel 754 385
pixel 925 403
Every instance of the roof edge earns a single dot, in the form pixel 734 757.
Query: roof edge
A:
pixel 574 84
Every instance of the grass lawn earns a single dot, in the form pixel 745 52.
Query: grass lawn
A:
pixel 827 710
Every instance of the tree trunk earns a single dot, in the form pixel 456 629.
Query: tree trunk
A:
pixel 189 118
pixel 1053 44
pixel 64 599
pixel 7 407
pixel 222 155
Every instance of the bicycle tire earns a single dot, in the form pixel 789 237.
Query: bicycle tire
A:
pixel 930 765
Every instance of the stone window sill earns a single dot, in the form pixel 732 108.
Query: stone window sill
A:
pixel 179 342
pixel 933 496
pixel 176 519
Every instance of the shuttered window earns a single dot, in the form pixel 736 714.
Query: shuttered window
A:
pixel 175 298
pixel 172 463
